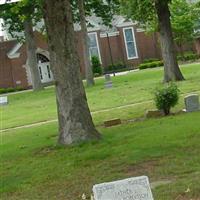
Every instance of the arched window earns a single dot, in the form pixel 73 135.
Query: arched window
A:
pixel 41 58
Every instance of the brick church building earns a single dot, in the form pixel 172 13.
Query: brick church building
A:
pixel 124 42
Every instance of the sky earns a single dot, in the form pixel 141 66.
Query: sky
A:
pixel 3 1
pixel 1 21
pixel 1 32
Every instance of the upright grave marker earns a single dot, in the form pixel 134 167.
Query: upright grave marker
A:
pixel 137 188
pixel 192 103
pixel 108 83
pixel 3 100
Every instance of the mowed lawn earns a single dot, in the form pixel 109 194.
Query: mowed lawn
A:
pixel 34 167
pixel 133 88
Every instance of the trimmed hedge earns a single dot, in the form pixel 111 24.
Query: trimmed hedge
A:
pixel 188 56
pixel 118 67
pixel 9 90
pixel 149 60
pixel 151 64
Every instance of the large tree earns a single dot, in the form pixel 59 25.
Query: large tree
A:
pixel 18 18
pixel 147 12
pixel 75 121
pixel 184 18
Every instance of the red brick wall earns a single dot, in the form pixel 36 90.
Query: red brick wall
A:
pixel 114 53
pixel 6 74
pixel 13 70
pixel 18 67
pixel 148 45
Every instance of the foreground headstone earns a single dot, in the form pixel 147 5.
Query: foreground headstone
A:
pixel 3 100
pixel 108 83
pixel 137 188
pixel 192 103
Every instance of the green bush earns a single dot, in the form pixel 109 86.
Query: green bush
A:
pixel 8 90
pixel 166 97
pixel 152 64
pixel 188 56
pixel 149 60
pixel 96 65
pixel 117 67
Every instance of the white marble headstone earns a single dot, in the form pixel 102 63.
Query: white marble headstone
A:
pixel 137 188
pixel 192 103
pixel 3 100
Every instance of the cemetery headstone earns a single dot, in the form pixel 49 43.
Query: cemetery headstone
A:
pixel 154 113
pixel 112 122
pixel 108 81
pixel 137 188
pixel 3 100
pixel 192 103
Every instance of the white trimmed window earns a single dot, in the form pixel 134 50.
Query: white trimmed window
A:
pixel 94 45
pixel 129 38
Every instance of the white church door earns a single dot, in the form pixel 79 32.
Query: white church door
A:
pixel 44 69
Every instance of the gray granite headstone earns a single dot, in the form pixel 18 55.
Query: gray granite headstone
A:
pixel 108 83
pixel 137 188
pixel 192 103
pixel 3 100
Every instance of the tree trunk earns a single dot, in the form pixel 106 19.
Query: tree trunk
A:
pixel 197 44
pixel 85 44
pixel 171 69
pixel 74 118
pixel 31 55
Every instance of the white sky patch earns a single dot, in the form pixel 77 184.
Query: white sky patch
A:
pixel 2 33
pixel 4 1
pixel 1 28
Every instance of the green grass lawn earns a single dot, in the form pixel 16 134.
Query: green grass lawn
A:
pixel 34 167
pixel 163 149
pixel 136 87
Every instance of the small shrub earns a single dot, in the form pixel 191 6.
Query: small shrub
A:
pixel 166 97
pixel 188 56
pixel 117 67
pixel 96 65
pixel 8 90
pixel 151 64
pixel 149 60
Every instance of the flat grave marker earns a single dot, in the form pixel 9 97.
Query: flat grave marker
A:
pixel 137 188
pixel 112 122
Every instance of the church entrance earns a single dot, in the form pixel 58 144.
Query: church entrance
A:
pixel 44 68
